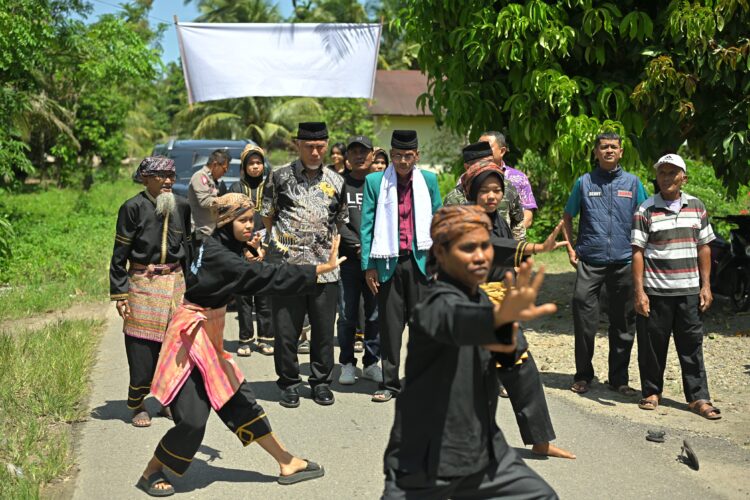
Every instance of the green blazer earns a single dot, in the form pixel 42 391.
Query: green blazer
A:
pixel 369 205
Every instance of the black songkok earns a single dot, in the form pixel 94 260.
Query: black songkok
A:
pixel 312 131
pixel 476 151
pixel 404 139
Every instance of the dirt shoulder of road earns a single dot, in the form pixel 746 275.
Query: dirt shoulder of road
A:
pixel 726 351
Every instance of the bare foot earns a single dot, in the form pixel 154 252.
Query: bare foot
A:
pixel 294 465
pixel 550 450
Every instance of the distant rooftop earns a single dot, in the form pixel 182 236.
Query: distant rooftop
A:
pixel 396 93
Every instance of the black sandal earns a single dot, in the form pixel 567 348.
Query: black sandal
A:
pixel 688 456
pixel 382 396
pixel 245 349
pixel 265 348
pixel 149 485
pixel 312 471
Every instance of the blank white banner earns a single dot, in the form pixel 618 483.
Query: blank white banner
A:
pixel 224 60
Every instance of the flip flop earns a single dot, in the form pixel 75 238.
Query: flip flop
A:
pixel 264 348
pixel 244 350
pixel 312 471
pixel 688 456
pixel 580 387
pixel 138 415
pixel 655 436
pixel 382 396
pixel 149 485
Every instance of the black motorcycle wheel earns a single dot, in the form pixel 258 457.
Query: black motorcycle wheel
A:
pixel 740 292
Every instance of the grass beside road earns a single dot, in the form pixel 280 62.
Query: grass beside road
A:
pixel 61 249
pixel 43 386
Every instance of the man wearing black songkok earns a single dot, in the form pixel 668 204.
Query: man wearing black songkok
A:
pixel 303 208
pixel 397 209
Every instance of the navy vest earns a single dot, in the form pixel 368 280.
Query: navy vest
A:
pixel 608 202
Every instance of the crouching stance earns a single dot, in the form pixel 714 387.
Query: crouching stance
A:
pixel 194 374
pixel 456 338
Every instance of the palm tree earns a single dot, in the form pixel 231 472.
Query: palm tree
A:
pixel 237 11
pixel 265 120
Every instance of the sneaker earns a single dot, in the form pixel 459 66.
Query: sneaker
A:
pixel 374 373
pixel 348 374
pixel 303 347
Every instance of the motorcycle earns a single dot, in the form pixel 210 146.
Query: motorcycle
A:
pixel 730 263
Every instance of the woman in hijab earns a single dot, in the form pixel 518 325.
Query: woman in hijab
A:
pixel 484 185
pixel 194 374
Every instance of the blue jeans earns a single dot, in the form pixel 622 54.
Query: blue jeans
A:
pixel 353 287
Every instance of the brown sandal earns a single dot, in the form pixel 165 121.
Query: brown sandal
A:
pixel 580 387
pixel 649 404
pixel 705 409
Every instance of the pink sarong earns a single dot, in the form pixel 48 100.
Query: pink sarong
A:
pixel 195 338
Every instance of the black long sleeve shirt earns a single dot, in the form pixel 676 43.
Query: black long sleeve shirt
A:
pixel 445 416
pixel 140 239
pixel 219 271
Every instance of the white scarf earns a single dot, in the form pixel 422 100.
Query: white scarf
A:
pixel 385 240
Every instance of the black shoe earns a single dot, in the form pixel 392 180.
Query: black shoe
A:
pixel 289 398
pixel 323 395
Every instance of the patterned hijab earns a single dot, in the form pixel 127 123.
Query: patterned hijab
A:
pixel 452 221
pixel 476 174
pixel 230 206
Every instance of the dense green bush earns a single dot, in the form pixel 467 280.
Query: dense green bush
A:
pixel 62 246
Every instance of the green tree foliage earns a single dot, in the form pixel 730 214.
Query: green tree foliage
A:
pixel 555 73
pixel 66 86
pixel 237 11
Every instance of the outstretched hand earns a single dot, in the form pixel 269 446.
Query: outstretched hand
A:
pixel 334 261
pixel 519 302
pixel 551 242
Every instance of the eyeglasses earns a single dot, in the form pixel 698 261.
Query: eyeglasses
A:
pixel 408 157
pixel 165 176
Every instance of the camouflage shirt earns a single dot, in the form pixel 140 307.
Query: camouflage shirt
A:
pixel 305 214
pixel 509 208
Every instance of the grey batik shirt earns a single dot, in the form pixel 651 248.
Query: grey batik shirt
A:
pixel 305 214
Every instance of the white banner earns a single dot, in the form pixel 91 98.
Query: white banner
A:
pixel 223 60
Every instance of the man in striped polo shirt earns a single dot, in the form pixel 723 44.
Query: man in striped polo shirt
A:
pixel 671 268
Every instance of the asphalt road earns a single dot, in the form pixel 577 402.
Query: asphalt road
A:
pixel 348 439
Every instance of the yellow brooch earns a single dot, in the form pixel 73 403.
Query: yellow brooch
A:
pixel 327 189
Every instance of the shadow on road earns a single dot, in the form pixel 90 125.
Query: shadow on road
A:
pixel 117 409
pixel 203 474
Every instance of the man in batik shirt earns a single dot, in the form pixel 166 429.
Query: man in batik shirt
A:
pixel 303 207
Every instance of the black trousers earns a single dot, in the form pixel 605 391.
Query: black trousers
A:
pixel 241 414
pixel 396 300
pixel 588 286
pixel 526 394
pixel 142 357
pixel 678 315
pixel 510 478
pixel 262 306
pixel 288 317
